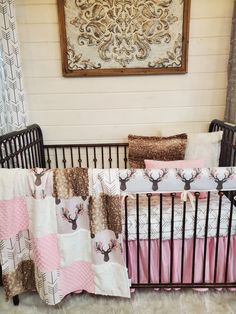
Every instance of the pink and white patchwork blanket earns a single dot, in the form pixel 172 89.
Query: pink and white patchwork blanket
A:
pixel 60 232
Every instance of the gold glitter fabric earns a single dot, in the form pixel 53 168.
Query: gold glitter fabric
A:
pixel 70 182
pixel 155 148
pixel 20 280
pixel 105 213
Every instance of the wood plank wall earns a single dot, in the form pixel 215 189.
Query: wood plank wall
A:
pixel 106 109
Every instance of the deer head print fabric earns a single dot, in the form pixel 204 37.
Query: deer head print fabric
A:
pixel 177 180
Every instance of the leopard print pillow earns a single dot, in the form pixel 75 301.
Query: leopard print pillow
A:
pixel 156 148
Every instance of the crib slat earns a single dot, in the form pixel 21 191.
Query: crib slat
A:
pixel 217 235
pixel 28 149
pixel 22 164
pixel 6 154
pixel 195 234
pixel 126 233
pixel 71 157
pixel 110 159
pixel 94 157
pixel 64 157
pixel 11 153
pixel 29 141
pixel 229 148
pixel 149 195
pixel 172 236
pixel 36 150
pixel 42 163
pixel 79 157
pixel 125 157
pixel 102 157
pixel 160 239
pixel 16 149
pixel 56 159
pixel 48 159
pixel 183 242
pixel 206 235
pixel 231 139
pixel 229 235
pixel 1 157
pixel 87 156
pixel 117 157
pixel 33 150
pixel 137 235
pixel 25 151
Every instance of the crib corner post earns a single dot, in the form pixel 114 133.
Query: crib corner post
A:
pixel 16 300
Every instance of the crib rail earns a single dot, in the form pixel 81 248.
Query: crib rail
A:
pixel 22 149
pixel 26 149
pixel 116 155
pixel 87 155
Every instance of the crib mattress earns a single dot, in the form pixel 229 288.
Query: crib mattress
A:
pixel 178 218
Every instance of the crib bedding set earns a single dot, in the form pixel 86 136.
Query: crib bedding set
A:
pixel 70 230
pixel 61 230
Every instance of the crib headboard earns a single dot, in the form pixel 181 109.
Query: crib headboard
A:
pixel 22 149
pixel 26 149
pixel 228 144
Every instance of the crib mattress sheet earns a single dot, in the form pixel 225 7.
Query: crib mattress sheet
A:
pixel 178 218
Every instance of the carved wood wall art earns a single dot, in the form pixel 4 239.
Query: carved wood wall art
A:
pixel 123 37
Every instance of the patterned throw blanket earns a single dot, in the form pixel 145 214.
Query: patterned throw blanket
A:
pixel 60 232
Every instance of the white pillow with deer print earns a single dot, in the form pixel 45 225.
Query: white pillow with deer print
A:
pixel 204 146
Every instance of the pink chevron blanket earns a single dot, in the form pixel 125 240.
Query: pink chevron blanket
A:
pixel 60 232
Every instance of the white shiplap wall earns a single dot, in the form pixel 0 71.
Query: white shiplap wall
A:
pixel 106 109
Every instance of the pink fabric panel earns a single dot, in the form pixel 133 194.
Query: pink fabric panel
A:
pixel 46 253
pixel 152 164
pixel 13 217
pixel 156 164
pixel 188 260
pixel 77 276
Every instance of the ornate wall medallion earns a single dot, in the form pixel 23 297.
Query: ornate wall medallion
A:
pixel 123 37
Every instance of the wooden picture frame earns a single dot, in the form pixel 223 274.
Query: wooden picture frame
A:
pixel 123 37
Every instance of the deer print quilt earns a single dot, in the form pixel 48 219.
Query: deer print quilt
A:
pixel 60 232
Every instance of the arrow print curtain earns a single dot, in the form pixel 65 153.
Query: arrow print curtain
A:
pixel 230 110
pixel 12 98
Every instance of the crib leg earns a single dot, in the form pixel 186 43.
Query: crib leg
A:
pixel 16 300
pixel 0 276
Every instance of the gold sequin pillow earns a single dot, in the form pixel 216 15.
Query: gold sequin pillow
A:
pixel 156 148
